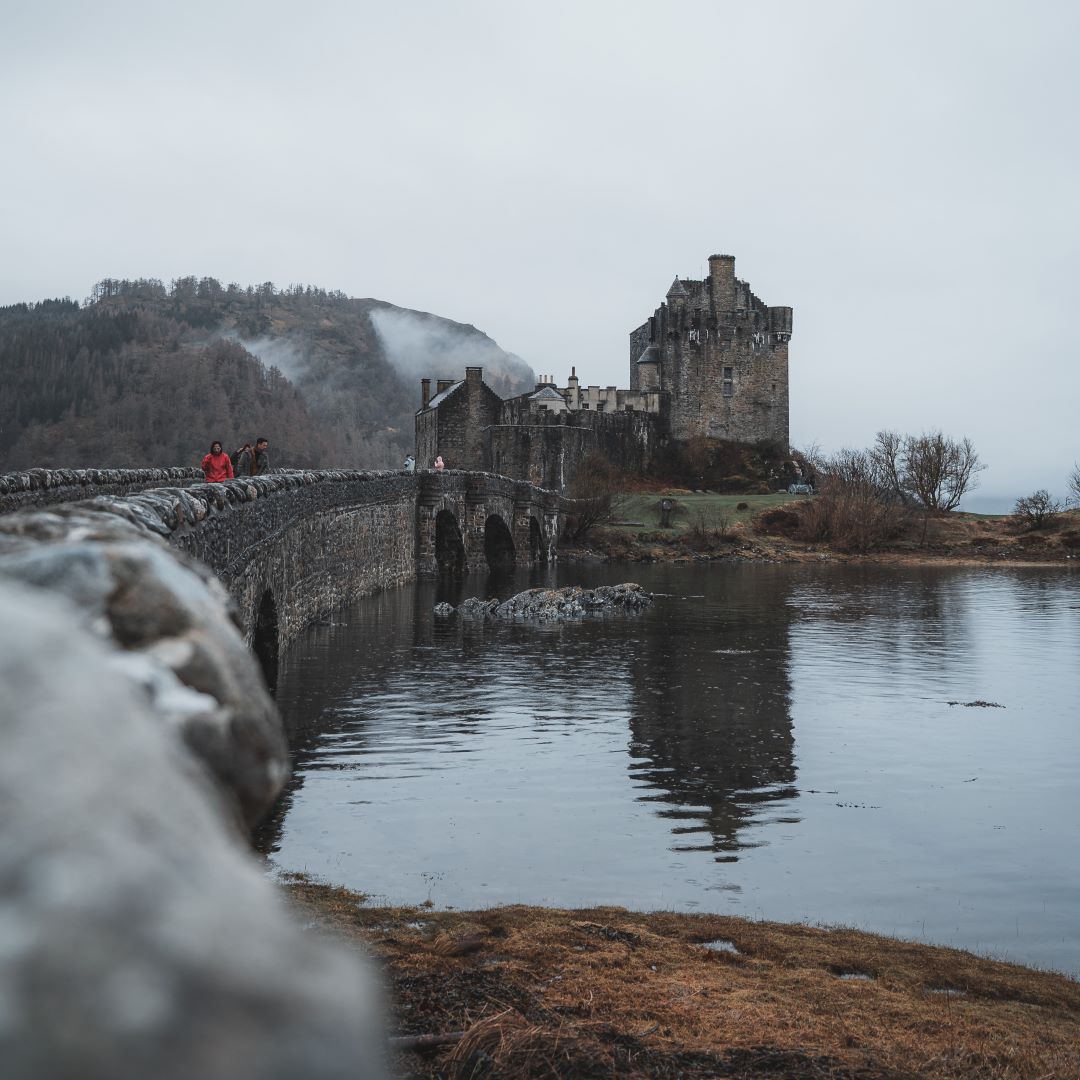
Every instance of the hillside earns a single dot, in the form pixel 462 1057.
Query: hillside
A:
pixel 148 374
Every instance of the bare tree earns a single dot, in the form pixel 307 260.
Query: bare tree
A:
pixel 1073 484
pixel 886 454
pixel 1037 510
pixel 939 471
pixel 595 493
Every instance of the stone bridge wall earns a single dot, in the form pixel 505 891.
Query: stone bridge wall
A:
pixel 312 540
pixel 48 487
pixel 472 498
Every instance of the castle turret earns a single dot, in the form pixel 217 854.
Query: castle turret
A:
pixel 780 324
pixel 648 369
pixel 425 393
pixel 722 281
pixel 677 295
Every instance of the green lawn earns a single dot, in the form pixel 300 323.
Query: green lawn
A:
pixel 717 510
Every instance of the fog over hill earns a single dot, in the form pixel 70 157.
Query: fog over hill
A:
pixel 147 374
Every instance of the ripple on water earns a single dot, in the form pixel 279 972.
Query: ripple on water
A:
pixel 713 755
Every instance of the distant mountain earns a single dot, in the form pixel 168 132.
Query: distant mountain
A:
pixel 148 374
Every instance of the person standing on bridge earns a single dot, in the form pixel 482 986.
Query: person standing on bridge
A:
pixel 243 461
pixel 410 463
pixel 262 456
pixel 216 466
pixel 439 463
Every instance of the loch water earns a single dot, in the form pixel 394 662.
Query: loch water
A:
pixel 785 742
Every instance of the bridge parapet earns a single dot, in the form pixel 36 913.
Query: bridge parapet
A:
pixel 48 487
pixel 291 546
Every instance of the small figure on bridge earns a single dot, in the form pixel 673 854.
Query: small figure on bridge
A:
pixel 410 463
pixel 262 456
pixel 243 461
pixel 216 466
pixel 439 463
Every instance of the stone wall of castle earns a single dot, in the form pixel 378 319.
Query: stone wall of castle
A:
pixel 547 448
pixel 721 355
pixel 455 427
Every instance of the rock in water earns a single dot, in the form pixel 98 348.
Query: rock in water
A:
pixel 556 605
pixel 137 937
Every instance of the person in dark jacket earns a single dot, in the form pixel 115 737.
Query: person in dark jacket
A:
pixel 262 456
pixel 243 461
pixel 216 466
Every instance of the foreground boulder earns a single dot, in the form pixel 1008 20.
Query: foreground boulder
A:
pixel 169 626
pixel 547 605
pixel 137 937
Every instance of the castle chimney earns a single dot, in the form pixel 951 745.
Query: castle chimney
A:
pixel 443 384
pixel 722 277
pixel 425 393
pixel 473 374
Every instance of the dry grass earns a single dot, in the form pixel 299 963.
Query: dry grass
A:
pixel 756 533
pixel 607 992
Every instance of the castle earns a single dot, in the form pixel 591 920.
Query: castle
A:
pixel 711 361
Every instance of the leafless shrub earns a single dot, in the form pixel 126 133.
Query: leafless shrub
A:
pixel 1037 510
pixel 777 522
pixel 857 506
pixel 709 527
pixel 595 489
pixel 1073 484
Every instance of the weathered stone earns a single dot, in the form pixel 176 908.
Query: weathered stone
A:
pixel 299 544
pixel 44 487
pixel 136 938
pixel 547 605
pixel 174 622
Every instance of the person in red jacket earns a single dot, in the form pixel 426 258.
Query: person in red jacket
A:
pixel 216 466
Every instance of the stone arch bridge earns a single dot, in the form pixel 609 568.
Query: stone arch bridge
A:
pixel 292 546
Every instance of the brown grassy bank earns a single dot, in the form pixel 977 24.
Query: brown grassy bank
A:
pixel 610 993
pixel 710 526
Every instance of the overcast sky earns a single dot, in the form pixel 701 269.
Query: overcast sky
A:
pixel 903 174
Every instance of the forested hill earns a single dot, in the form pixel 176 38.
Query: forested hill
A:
pixel 148 374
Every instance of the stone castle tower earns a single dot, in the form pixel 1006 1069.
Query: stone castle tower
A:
pixel 720 357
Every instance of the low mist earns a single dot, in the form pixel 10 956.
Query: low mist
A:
pixel 420 346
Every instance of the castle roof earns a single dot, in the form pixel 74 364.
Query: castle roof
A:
pixel 438 399
pixel 677 289
pixel 546 393
pixel 650 356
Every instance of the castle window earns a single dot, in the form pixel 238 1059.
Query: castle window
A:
pixel 584 404
pixel 729 388
pixel 729 373
pixel 599 406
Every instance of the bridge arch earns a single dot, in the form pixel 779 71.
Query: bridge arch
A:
pixel 449 543
pixel 537 547
pixel 498 543
pixel 266 639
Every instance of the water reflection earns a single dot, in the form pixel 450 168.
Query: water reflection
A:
pixel 710 721
pixel 769 740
